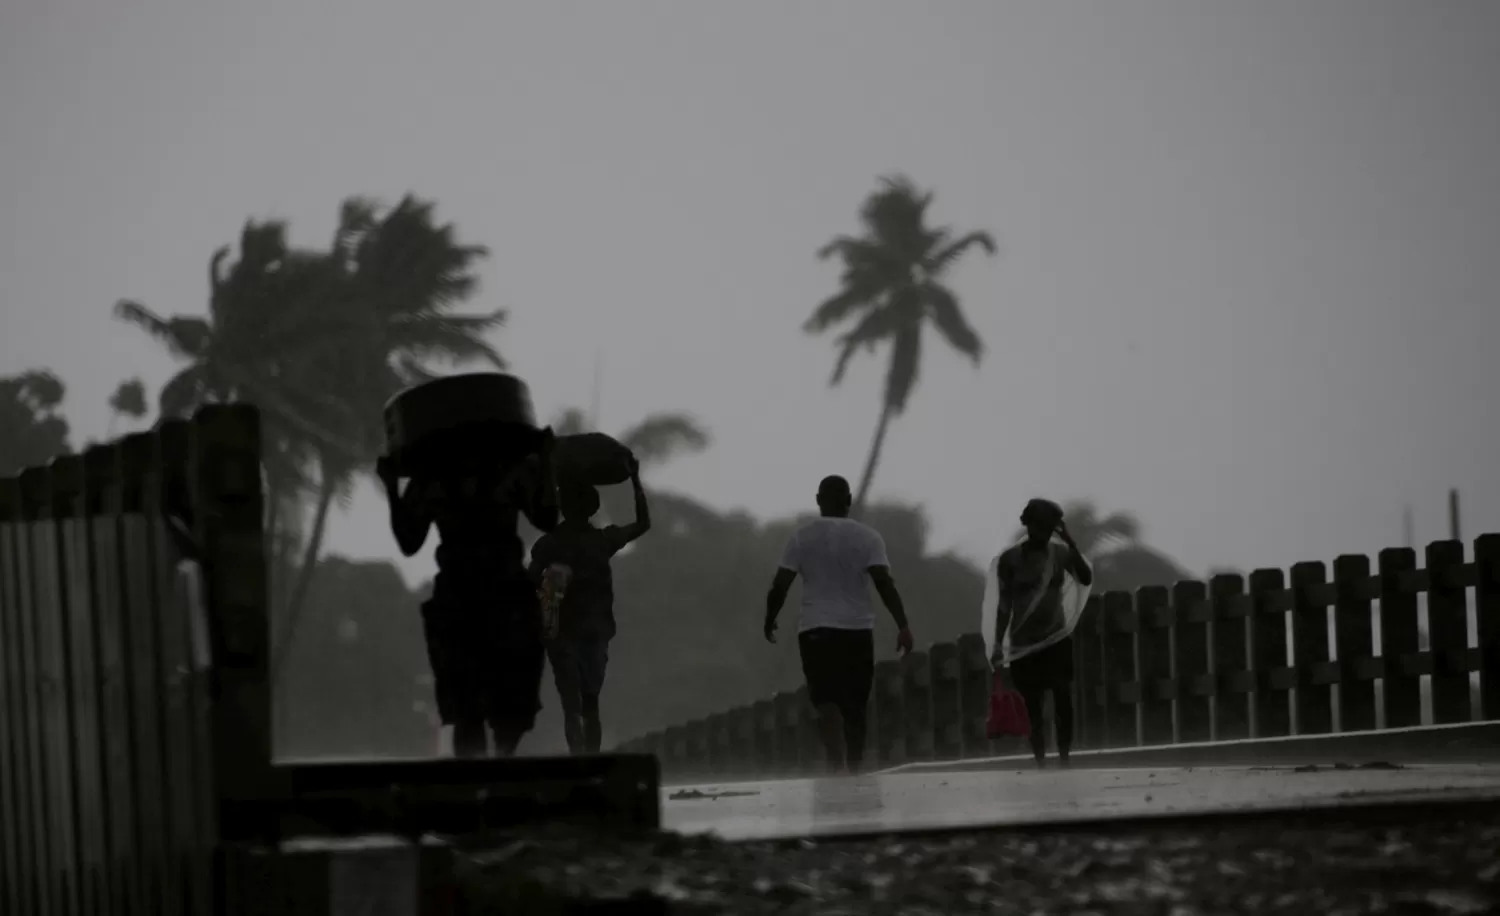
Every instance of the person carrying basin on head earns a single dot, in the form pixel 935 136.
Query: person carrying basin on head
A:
pixel 579 650
pixel 1034 595
pixel 474 462
pixel 838 558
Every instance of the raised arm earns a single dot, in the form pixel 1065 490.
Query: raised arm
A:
pixel 410 515
pixel 624 534
pixel 1078 567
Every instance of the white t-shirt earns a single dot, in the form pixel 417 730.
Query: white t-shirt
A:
pixel 833 556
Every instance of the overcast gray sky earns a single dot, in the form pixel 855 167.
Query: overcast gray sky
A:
pixel 1250 270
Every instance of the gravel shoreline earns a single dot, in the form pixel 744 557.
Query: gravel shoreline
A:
pixel 1414 859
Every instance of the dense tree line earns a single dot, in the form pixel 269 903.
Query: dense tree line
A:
pixel 320 338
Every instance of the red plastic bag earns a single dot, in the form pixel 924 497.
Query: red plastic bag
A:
pixel 1008 715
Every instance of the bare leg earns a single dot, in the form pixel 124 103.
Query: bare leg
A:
pixel 469 739
pixel 593 729
pixel 1035 698
pixel 831 730
pixel 507 737
pixel 1062 716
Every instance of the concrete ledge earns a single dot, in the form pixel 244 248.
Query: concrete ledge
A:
pixel 1469 742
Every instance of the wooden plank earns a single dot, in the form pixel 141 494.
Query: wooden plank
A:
pixel 1398 636
pixel 1487 619
pixel 1314 701
pixel 1153 648
pixel 1230 640
pixel 16 837
pixel 1190 650
pixel 1448 631
pixel 1354 641
pixel 141 601
pixel 1271 705
pixel 76 574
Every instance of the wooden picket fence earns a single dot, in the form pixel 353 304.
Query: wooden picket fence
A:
pixel 130 717
pixel 136 765
pixel 1190 663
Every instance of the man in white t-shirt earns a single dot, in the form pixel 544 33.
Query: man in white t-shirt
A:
pixel 838 558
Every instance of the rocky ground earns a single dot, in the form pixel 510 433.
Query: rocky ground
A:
pixel 1418 860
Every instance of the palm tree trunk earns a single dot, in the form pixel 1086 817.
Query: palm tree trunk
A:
pixel 291 614
pixel 868 476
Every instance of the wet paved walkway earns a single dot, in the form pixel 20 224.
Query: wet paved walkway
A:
pixel 916 800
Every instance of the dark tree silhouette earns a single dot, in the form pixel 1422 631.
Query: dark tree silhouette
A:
pixel 32 431
pixel 891 288
pixel 319 340
pixel 128 400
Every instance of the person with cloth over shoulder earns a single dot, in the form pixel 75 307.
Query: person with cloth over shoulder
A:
pixel 1034 617
pixel 838 558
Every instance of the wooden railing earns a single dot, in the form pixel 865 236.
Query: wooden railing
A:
pixel 128 713
pixel 1193 662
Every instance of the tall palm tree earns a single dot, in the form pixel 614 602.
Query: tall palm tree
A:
pixel 319 340
pixel 891 287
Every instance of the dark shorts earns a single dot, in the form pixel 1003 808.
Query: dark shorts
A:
pixel 1049 669
pixel 839 666
pixel 486 654
pixel 578 669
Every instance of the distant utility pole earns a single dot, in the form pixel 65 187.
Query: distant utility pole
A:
pixel 1455 531
pixel 1408 530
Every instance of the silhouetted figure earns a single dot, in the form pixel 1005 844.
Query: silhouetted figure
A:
pixel 586 621
pixel 483 622
pixel 1040 652
pixel 838 558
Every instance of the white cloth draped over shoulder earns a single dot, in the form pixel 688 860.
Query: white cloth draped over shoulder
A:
pixel 1074 595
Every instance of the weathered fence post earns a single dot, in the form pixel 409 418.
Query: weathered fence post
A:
pixel 1448 631
pixel 1310 648
pixel 947 708
pixel 1153 659
pixel 1354 642
pixel 18 838
pixel 48 606
pixel 1399 642
pixel 76 584
pixel 100 508
pixel 974 694
pixel 1487 619
pixel 890 711
pixel 916 684
pixel 1272 702
pixel 1190 650
pixel 1122 693
pixel 1093 685
pixel 1229 636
